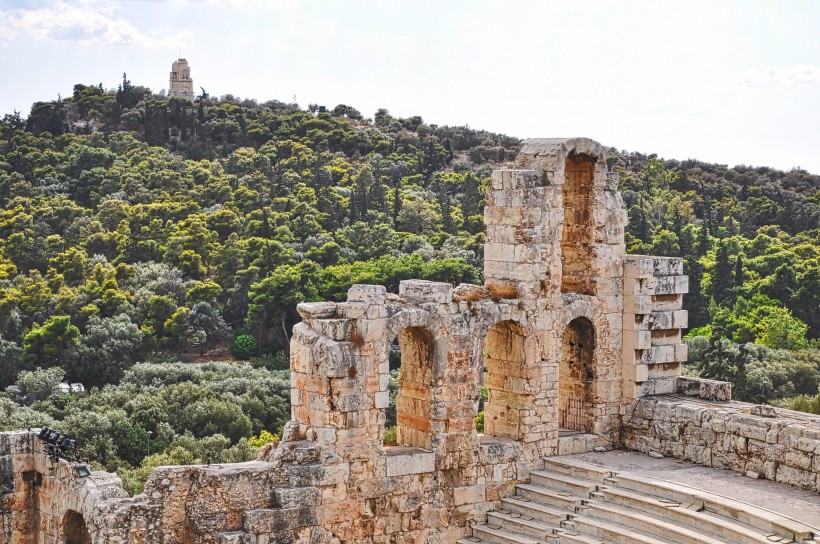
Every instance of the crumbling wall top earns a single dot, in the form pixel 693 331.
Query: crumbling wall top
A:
pixel 549 153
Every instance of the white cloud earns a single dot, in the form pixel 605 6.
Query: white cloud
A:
pixel 89 22
pixel 782 75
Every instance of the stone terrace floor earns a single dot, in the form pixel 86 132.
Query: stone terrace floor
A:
pixel 784 499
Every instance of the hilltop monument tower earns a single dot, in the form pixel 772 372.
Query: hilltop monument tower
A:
pixel 181 83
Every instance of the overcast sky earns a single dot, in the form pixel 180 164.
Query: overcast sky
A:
pixel 720 81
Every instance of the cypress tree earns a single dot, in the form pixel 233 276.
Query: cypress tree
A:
pixel 722 277
pixel 704 242
pixel 739 278
pixel 471 204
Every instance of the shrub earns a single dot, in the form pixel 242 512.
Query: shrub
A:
pixel 390 438
pixel 244 346
pixel 803 403
pixel 271 361
pixel 264 437
pixel 479 422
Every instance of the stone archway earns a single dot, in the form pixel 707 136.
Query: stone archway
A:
pixel 415 383
pixel 75 530
pixel 505 378
pixel 576 376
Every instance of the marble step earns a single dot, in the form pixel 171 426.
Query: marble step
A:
pixel 708 522
pixel 543 495
pixel 561 482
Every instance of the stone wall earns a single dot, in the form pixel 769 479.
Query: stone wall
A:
pixel 653 318
pixel 758 441
pixel 43 500
pixel 39 498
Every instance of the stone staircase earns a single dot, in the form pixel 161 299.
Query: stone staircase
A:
pixel 573 502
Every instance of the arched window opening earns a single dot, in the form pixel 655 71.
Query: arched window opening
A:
pixel 74 529
pixel 576 376
pixel 505 380
pixel 577 252
pixel 412 381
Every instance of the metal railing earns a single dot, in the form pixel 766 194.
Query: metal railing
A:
pixel 573 413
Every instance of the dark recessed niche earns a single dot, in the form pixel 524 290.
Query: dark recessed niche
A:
pixel 33 477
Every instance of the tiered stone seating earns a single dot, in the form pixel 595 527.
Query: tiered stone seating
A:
pixel 574 502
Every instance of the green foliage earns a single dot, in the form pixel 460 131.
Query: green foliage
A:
pixel 194 412
pixel 244 346
pixel 52 343
pixel 479 422
pixel 39 384
pixel 758 373
pixel 115 215
pixel 392 392
pixel 133 479
pixel 208 416
pixel 802 403
pixel 390 436
pixel 271 361
pixel 264 438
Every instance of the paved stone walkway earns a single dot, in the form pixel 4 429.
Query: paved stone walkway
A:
pixel 784 499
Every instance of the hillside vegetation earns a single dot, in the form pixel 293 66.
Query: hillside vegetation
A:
pixel 134 226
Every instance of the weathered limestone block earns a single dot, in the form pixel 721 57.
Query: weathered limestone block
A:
pixel 373 294
pixel 291 497
pixel 279 521
pixel 763 410
pixel 671 285
pixel 638 304
pixel 316 310
pixel 637 340
pixel 660 386
pixel 636 373
pixel 676 319
pixel 415 462
pixel 667 266
pixel 638 266
pixel 426 290
pixel 703 388
pixel 335 329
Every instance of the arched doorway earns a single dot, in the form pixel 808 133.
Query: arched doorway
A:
pixel 74 529
pixel 505 378
pixel 415 383
pixel 576 376
pixel 577 254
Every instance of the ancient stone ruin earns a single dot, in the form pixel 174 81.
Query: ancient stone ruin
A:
pixel 578 345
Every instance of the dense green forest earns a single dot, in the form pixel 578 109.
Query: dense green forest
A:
pixel 135 227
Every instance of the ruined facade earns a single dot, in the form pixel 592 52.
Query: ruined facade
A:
pixel 180 83
pixel 577 344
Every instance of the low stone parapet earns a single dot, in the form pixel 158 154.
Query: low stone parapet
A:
pixel 770 443
pixel 703 388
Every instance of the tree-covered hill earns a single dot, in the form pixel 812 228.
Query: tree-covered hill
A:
pixel 132 223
